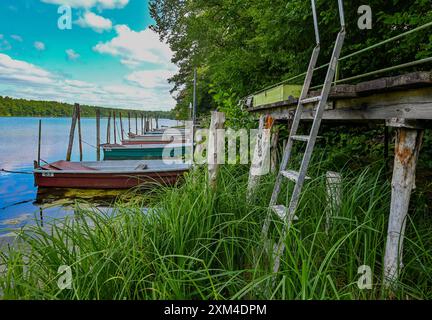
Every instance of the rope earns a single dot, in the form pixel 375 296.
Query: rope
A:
pixel 15 172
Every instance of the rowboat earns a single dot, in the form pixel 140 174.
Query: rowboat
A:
pixel 144 151
pixel 108 174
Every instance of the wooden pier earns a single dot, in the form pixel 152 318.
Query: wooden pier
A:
pixel 403 102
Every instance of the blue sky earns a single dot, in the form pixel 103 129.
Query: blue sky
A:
pixel 109 58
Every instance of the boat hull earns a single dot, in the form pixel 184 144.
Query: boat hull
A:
pixel 105 180
pixel 109 174
pixel 141 153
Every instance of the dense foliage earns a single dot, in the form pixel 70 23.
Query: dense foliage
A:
pixel 240 46
pixel 10 107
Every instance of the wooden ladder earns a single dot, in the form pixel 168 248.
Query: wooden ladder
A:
pixel 287 215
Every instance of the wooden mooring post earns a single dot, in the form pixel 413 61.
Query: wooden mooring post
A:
pixel 39 144
pixel 72 133
pixel 79 132
pixel 136 123
pixel 261 157
pixel 216 147
pixel 409 137
pixel 121 126
pixel 98 135
pixel 115 127
pixel 108 139
pixel 129 123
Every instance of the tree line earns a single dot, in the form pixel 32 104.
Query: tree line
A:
pixel 11 107
pixel 240 46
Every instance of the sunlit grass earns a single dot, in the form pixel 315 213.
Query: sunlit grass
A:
pixel 195 243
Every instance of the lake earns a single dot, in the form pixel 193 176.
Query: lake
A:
pixel 18 150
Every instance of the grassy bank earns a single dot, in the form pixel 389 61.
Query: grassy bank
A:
pixel 197 244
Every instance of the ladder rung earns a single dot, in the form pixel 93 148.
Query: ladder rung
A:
pixel 303 138
pixel 311 100
pixel 281 212
pixel 300 138
pixel 292 175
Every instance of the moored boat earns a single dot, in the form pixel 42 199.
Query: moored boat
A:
pixel 108 174
pixel 145 151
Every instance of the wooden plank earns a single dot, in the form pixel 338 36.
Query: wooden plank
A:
pixel 407 149
pixel 408 104
pixel 414 79
pixel 71 135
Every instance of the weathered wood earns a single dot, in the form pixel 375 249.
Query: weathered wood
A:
pixel 129 123
pixel 79 132
pixel 136 123
pixel 115 127
pixel 334 196
pixel 71 135
pixel 216 147
pixel 407 149
pixel 142 124
pixel 274 151
pixel 121 126
pixel 407 103
pixel 108 138
pixel 98 135
pixel 261 157
pixel 39 143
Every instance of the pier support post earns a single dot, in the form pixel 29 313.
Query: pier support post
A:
pixel 409 137
pixel 334 196
pixel 274 151
pixel 261 158
pixel 98 135
pixel 216 147
pixel 72 134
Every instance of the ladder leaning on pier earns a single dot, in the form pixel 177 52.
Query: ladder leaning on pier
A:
pixel 288 214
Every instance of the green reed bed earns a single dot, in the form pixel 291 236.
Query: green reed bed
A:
pixel 196 243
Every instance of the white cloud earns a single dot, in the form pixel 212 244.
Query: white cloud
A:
pixel 16 71
pixel 17 38
pixel 95 22
pixel 24 80
pixel 102 4
pixel 40 46
pixel 134 48
pixel 71 54
pixel 151 78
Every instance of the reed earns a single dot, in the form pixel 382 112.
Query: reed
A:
pixel 198 244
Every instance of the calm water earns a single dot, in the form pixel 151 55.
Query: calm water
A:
pixel 18 150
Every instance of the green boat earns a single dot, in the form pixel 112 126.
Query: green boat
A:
pixel 149 151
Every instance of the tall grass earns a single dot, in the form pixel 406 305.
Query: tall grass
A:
pixel 198 244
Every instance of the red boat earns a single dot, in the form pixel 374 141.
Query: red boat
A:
pixel 109 174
